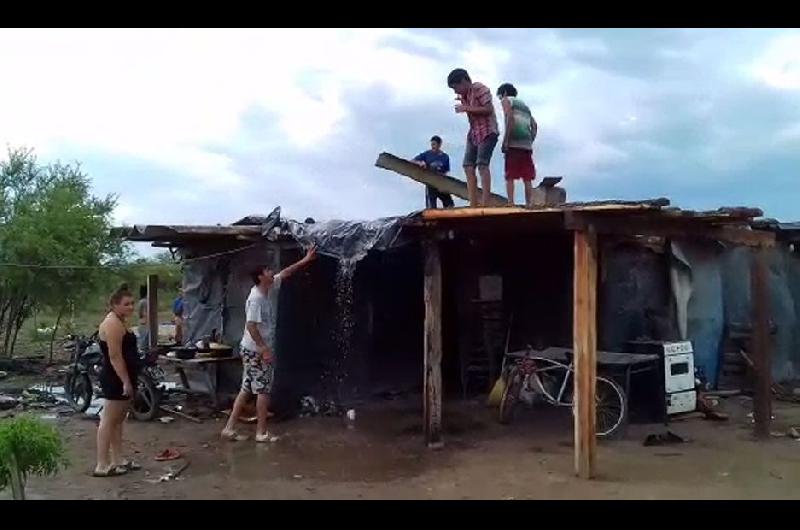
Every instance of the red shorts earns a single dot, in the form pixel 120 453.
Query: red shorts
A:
pixel 519 165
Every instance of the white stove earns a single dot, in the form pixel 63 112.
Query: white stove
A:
pixel 679 382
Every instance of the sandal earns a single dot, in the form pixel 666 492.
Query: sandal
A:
pixel 130 465
pixel 112 471
pixel 233 436
pixel 167 454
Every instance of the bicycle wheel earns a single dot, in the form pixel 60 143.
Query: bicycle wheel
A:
pixel 610 408
pixel 510 396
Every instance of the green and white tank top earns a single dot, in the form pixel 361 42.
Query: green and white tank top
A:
pixel 523 127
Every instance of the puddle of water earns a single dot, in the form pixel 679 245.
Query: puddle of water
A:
pixel 57 392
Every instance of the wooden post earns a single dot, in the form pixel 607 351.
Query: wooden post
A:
pixel 762 396
pixel 152 309
pixel 584 334
pixel 15 478
pixel 433 345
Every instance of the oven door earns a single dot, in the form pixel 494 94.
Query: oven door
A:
pixel 678 372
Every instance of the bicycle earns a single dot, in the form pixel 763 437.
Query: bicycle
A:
pixel 552 380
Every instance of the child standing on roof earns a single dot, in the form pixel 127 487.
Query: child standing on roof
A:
pixel 475 100
pixel 520 132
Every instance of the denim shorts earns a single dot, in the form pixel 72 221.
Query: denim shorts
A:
pixel 480 155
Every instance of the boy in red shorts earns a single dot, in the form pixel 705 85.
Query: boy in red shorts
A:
pixel 520 132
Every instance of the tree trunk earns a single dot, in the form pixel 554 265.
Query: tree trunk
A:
pixel 16 479
pixel 4 307
pixel 8 328
pixel 21 314
pixel 55 330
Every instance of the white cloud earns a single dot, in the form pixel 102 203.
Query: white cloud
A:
pixel 779 65
pixel 238 121
pixel 162 95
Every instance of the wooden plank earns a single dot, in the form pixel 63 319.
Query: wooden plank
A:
pixel 433 345
pixel 457 213
pixel 584 331
pixel 152 309
pixel 468 212
pixel 762 396
pixel 444 183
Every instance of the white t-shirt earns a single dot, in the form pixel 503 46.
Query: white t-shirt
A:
pixel 263 310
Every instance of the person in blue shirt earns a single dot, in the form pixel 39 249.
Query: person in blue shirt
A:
pixel 436 160
pixel 177 316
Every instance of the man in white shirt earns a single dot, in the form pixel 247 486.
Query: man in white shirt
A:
pixel 258 346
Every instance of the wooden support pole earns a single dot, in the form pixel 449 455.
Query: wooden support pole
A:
pixel 584 333
pixel 433 345
pixel 762 397
pixel 152 309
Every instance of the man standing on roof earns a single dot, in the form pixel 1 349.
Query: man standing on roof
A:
pixel 258 346
pixel 518 136
pixel 475 100
pixel 436 160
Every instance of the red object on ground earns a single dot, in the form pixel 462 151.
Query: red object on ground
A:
pixel 167 454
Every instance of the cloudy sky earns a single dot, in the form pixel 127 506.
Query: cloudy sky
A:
pixel 206 126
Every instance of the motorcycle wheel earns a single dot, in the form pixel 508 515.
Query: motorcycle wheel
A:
pixel 78 391
pixel 146 401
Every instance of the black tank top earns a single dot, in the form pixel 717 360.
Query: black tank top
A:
pixel 130 354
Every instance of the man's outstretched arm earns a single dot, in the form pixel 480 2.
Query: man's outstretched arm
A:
pixel 311 255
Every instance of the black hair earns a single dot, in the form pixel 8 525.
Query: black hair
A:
pixel 255 273
pixel 506 89
pixel 142 291
pixel 436 138
pixel 119 294
pixel 456 76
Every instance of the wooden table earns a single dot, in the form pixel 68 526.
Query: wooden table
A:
pixel 209 366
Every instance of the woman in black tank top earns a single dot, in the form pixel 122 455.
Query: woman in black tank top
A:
pixel 110 382
pixel 118 382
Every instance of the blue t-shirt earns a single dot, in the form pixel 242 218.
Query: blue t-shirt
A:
pixel 177 306
pixel 438 162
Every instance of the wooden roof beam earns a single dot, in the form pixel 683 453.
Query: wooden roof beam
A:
pixel 671 228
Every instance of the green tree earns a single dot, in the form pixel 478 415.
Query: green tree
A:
pixel 51 223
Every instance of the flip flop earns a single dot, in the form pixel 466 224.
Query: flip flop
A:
pixel 130 465
pixel 112 471
pixel 167 454
pixel 233 436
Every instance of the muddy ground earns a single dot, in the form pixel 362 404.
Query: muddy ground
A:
pixel 383 456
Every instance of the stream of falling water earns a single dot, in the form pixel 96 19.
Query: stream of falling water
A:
pixel 345 322
pixel 348 242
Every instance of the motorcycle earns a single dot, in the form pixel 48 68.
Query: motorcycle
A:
pixel 81 382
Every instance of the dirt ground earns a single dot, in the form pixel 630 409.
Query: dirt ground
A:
pixel 382 456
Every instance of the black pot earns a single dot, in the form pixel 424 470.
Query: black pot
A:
pixel 185 353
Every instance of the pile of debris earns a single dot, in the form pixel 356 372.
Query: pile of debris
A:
pixel 39 397
pixel 329 408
